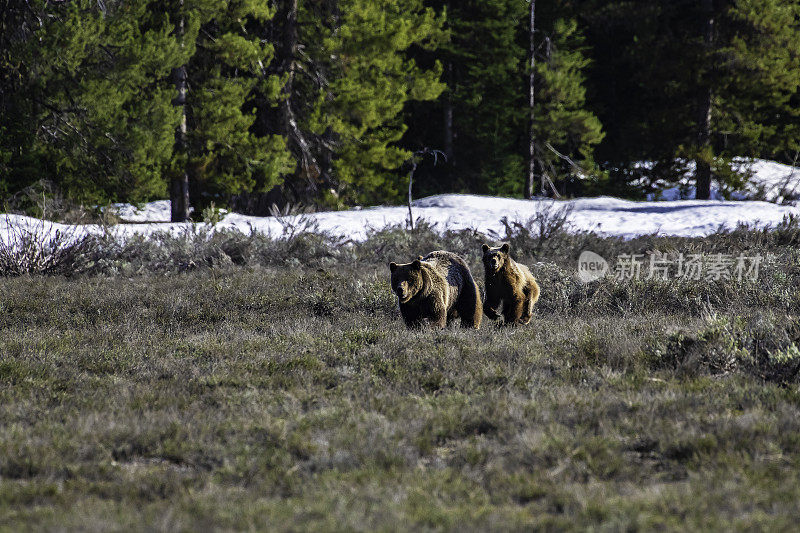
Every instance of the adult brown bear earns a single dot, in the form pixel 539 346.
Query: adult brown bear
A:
pixel 510 284
pixel 436 288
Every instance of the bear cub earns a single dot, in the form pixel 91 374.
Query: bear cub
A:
pixel 510 284
pixel 436 288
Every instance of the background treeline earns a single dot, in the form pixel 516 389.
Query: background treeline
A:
pixel 323 102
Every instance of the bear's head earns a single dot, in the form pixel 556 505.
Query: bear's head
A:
pixel 495 258
pixel 407 280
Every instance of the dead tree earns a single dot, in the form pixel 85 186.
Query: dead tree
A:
pixel 531 177
pixel 414 161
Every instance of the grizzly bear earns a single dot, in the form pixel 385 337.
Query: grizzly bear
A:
pixel 509 283
pixel 436 288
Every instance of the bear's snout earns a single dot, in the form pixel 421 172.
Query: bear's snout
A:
pixel 403 293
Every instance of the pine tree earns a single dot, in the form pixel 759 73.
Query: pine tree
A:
pixel 21 159
pixel 92 90
pixel 226 72
pixel 486 69
pixel 566 130
pixel 743 60
pixel 364 80
pixel 96 118
pixel 479 121
pixel 755 75
pixel 700 82
pixel 18 164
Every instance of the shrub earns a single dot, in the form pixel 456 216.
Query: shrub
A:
pixel 40 247
pixel 763 345
pixel 539 233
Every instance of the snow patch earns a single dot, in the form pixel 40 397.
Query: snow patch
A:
pixel 604 215
pixel 158 211
pixel 770 181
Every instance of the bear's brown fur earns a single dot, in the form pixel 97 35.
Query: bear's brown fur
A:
pixel 510 284
pixel 436 288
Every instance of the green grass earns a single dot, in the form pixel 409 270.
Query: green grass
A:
pixel 278 398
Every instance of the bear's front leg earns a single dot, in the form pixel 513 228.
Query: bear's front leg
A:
pixel 491 305
pixel 439 314
pixel 492 302
pixel 411 316
pixel 513 311
pixel 527 310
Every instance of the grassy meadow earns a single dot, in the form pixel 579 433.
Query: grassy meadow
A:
pixel 240 383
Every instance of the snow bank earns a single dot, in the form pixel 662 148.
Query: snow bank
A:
pixel 771 181
pixel 158 211
pixel 604 215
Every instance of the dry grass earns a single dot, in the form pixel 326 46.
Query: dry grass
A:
pixel 267 396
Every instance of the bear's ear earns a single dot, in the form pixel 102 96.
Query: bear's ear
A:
pixel 485 247
pixel 417 264
pixel 392 266
pixel 419 258
pixel 505 248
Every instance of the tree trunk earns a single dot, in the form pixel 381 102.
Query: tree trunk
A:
pixel 448 117
pixel 179 186
pixel 703 165
pixel 287 54
pixel 703 170
pixel 310 170
pixel 530 180
pixel 410 185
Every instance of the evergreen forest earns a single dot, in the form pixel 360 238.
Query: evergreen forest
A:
pixel 329 103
